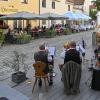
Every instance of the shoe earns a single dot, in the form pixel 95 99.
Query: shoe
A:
pixel 40 83
pixel 61 79
pixel 75 92
pixel 68 93
pixel 50 83
pixel 90 68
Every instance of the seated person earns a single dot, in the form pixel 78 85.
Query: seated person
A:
pixel 9 36
pixel 96 51
pixel 65 48
pixel 51 53
pixel 16 33
pixel 71 72
pixel 42 55
pixel 98 62
pixel 81 51
pixel 62 55
pixel 72 54
pixel 95 81
pixel 77 28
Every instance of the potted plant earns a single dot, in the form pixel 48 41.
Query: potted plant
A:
pixel 50 33
pixel 19 66
pixel 23 38
pixel 2 37
pixel 67 31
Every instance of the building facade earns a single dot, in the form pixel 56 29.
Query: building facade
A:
pixel 35 6
pixel 54 6
pixel 86 8
pixel 78 5
pixel 13 6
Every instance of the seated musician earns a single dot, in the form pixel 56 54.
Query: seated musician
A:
pixel 51 53
pixel 96 50
pixel 95 81
pixel 65 48
pixel 62 55
pixel 42 55
pixel 98 62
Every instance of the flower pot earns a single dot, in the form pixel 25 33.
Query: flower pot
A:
pixel 19 77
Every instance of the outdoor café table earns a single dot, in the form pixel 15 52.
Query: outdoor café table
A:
pixel 35 33
pixel 40 32
pixel 10 93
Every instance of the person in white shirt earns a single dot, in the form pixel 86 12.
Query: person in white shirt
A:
pixel 65 48
pixel 62 55
pixel 81 50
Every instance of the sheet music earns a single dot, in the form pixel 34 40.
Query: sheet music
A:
pixel 81 49
pixel 52 50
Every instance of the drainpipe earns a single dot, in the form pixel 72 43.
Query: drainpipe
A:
pixel 39 11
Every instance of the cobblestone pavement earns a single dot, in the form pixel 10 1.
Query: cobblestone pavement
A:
pixel 6 52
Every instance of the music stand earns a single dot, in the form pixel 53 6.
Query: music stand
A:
pixel 52 52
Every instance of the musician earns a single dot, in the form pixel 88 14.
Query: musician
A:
pixel 72 54
pixel 42 55
pixel 62 55
pixel 98 61
pixel 51 54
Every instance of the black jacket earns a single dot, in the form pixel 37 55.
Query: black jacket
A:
pixel 72 55
pixel 42 56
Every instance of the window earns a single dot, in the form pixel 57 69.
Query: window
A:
pixel 24 1
pixel 58 0
pixel 20 24
pixel 44 3
pixel 15 24
pixel 62 22
pixel 43 22
pixel 68 7
pixel 53 22
pixel 53 5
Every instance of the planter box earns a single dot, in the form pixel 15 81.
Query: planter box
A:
pixel 19 77
pixel 0 44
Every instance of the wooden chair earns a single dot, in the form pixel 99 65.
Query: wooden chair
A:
pixel 39 73
pixel 71 75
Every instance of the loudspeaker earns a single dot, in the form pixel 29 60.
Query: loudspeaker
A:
pixel 95 84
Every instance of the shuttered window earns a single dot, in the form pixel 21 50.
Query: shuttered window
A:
pixel 53 5
pixel 44 3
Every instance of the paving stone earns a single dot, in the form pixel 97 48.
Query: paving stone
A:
pixel 56 91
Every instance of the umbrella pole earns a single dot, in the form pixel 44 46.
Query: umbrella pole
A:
pixel 39 23
pixel 48 23
pixel 23 24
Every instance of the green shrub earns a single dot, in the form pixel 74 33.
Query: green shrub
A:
pixel 50 33
pixel 24 38
pixel 2 37
pixel 67 31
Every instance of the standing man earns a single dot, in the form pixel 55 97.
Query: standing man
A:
pixel 83 43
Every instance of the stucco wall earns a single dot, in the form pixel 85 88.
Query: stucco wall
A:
pixel 12 6
pixel 86 6
pixel 60 8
